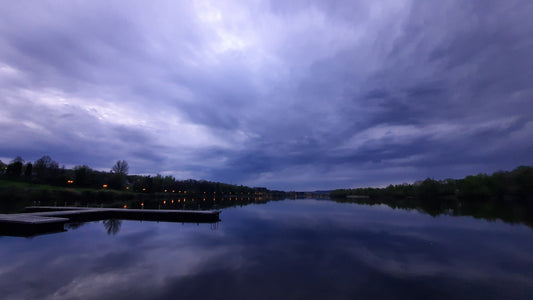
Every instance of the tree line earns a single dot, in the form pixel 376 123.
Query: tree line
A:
pixel 516 185
pixel 45 170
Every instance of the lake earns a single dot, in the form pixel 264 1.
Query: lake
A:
pixel 290 249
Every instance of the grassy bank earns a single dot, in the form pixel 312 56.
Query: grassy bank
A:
pixel 14 196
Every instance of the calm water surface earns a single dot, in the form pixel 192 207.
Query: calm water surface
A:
pixel 292 249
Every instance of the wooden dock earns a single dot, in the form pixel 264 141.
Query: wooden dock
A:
pixel 30 224
pixel 45 219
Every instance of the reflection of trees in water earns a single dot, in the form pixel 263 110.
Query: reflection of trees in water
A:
pixel 74 225
pixel 507 196
pixel 112 226
pixel 510 211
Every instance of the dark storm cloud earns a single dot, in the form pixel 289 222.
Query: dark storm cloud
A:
pixel 288 95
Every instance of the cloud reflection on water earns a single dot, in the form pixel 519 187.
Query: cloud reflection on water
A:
pixel 289 249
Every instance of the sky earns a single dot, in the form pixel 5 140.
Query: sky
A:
pixel 288 95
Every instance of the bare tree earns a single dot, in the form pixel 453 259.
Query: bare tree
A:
pixel 121 167
pixel 45 162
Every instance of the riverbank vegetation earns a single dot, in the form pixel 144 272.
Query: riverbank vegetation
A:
pixel 504 195
pixel 44 182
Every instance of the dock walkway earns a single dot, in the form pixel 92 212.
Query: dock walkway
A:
pixel 41 219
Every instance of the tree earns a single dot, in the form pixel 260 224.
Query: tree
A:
pixel 29 169
pixel 143 184
pixel 14 169
pixel 45 162
pixel 157 183
pixel 18 159
pixel 3 167
pixel 428 189
pixel 168 182
pixel 121 167
pixel 46 169
pixel 81 175
pixel 118 175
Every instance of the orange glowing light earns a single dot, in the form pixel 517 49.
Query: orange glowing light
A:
pixel 144 189
pixel 125 206
pixel 104 186
pixel 164 201
pixel 165 191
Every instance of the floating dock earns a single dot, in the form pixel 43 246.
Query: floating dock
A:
pixel 49 219
pixel 30 224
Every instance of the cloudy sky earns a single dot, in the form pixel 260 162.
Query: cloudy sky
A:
pixel 292 95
